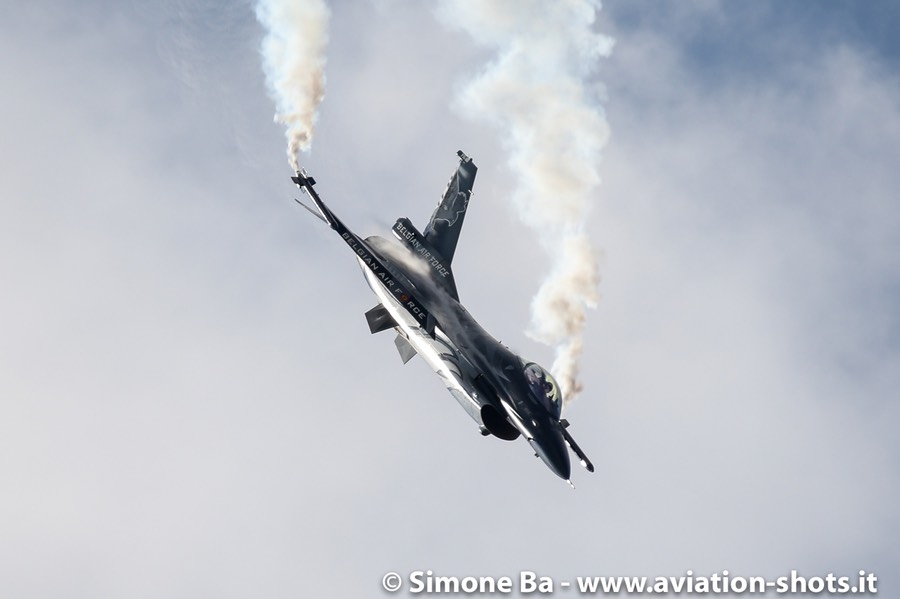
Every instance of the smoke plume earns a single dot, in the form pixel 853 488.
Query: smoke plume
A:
pixel 294 64
pixel 537 91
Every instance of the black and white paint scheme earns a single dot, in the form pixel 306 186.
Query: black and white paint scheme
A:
pixel 506 395
pixel 191 405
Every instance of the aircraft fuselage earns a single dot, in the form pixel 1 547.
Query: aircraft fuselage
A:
pixel 506 395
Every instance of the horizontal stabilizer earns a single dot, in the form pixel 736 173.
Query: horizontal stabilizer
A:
pixel 379 319
pixel 406 350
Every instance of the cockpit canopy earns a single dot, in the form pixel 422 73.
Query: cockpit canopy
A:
pixel 544 387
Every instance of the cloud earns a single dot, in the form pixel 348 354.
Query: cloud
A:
pixel 190 401
pixel 748 285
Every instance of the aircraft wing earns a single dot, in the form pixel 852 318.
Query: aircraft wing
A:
pixel 442 232
pixel 367 257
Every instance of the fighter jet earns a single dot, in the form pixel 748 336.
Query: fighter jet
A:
pixel 505 394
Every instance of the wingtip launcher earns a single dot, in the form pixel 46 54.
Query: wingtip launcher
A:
pixel 303 180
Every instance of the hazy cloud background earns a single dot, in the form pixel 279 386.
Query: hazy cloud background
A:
pixel 190 401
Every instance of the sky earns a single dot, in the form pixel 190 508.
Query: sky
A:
pixel 191 403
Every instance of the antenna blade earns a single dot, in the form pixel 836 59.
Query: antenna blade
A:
pixel 315 213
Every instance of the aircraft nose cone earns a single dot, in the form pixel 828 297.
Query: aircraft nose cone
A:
pixel 552 449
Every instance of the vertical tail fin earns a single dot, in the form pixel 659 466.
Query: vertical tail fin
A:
pixel 443 229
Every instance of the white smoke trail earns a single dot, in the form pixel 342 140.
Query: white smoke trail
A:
pixel 294 64
pixel 538 93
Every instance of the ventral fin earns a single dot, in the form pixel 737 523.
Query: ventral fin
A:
pixel 406 350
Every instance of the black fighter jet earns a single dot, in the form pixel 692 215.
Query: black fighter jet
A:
pixel 505 394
